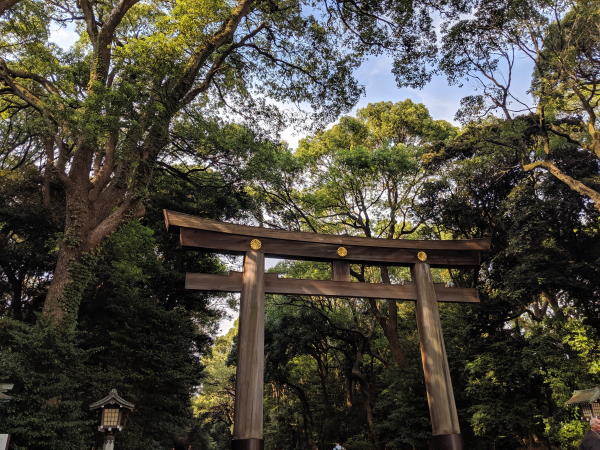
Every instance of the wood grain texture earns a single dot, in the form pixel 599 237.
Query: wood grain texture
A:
pixel 248 418
pixel 177 219
pixel 315 251
pixel 232 282
pixel 340 271
pixel 440 396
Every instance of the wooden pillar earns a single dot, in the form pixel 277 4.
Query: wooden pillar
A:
pixel 340 271
pixel 248 418
pixel 442 408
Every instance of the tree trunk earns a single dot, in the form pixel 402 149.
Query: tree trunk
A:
pixel 390 324
pixel 7 4
pixel 388 320
pixel 57 307
pixel 87 223
pixel 367 398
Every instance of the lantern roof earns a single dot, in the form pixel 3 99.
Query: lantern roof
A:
pixel 585 396
pixel 113 398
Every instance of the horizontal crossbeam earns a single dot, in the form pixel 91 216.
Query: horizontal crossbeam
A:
pixel 312 251
pixel 197 232
pixel 232 282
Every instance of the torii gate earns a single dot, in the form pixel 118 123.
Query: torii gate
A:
pixel 254 243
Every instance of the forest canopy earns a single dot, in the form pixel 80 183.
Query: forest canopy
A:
pixel 180 104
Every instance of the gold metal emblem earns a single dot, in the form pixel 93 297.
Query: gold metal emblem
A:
pixel 422 256
pixel 255 244
pixel 342 251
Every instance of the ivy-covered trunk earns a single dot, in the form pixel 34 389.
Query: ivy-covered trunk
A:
pixel 87 223
pixel 58 306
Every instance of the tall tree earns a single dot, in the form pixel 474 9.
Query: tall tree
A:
pixel 533 337
pixel 139 329
pixel 368 179
pixel 104 108
pixel 560 41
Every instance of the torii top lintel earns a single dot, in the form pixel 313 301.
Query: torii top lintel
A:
pixel 221 237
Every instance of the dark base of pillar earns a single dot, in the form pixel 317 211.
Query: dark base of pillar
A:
pixel 446 442
pixel 247 444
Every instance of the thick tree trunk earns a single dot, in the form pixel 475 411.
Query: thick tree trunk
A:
pixel 87 224
pixel 57 308
pixel 69 278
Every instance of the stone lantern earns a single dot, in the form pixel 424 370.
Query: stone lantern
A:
pixel 589 400
pixel 114 410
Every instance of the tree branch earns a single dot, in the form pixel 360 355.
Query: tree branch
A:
pixel 22 92
pixel 104 39
pixel 571 182
pixel 223 35
pixel 90 21
pixel 7 4
pixel 218 64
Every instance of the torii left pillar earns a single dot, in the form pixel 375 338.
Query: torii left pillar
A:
pixel 248 417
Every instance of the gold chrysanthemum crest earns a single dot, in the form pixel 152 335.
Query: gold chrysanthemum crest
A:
pixel 342 251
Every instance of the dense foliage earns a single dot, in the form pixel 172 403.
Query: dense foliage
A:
pixel 139 331
pixel 101 115
pixel 97 138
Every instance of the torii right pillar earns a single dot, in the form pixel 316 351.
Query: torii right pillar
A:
pixel 442 408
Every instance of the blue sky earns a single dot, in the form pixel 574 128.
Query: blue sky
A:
pixel 441 99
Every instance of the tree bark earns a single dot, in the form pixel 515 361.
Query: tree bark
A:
pixel 87 223
pixel 390 324
pixel 7 4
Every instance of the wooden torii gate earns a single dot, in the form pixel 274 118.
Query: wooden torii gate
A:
pixel 254 243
